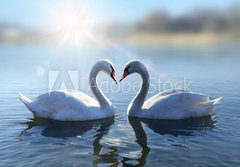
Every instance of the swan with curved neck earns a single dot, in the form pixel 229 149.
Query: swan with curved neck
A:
pixel 170 104
pixel 72 105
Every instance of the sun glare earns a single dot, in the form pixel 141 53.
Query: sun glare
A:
pixel 71 20
pixel 72 26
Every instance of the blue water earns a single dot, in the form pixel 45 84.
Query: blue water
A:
pixel 208 141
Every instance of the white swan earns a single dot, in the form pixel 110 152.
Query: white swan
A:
pixel 170 104
pixel 72 105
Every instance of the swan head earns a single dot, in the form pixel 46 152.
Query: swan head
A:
pixel 132 67
pixel 107 67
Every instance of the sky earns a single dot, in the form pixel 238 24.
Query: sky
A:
pixel 39 12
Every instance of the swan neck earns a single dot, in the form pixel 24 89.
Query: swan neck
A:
pixel 139 99
pixel 101 98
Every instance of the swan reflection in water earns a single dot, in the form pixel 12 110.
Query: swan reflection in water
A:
pixel 65 130
pixel 175 128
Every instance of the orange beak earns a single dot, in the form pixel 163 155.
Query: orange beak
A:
pixel 113 77
pixel 124 75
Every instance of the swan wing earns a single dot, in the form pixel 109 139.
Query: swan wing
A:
pixel 62 104
pixel 56 100
pixel 180 105
pixel 156 97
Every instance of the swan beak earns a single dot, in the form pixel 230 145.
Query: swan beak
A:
pixel 124 75
pixel 113 77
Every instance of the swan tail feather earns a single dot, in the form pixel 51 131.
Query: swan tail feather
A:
pixel 38 110
pixel 213 102
pixel 208 106
pixel 26 101
pixel 217 101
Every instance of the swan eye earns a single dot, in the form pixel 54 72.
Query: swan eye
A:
pixel 127 68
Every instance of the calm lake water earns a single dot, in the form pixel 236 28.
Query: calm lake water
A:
pixel 208 141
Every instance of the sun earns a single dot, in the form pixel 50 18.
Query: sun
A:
pixel 72 25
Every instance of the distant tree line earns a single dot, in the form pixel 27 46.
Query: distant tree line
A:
pixel 205 20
